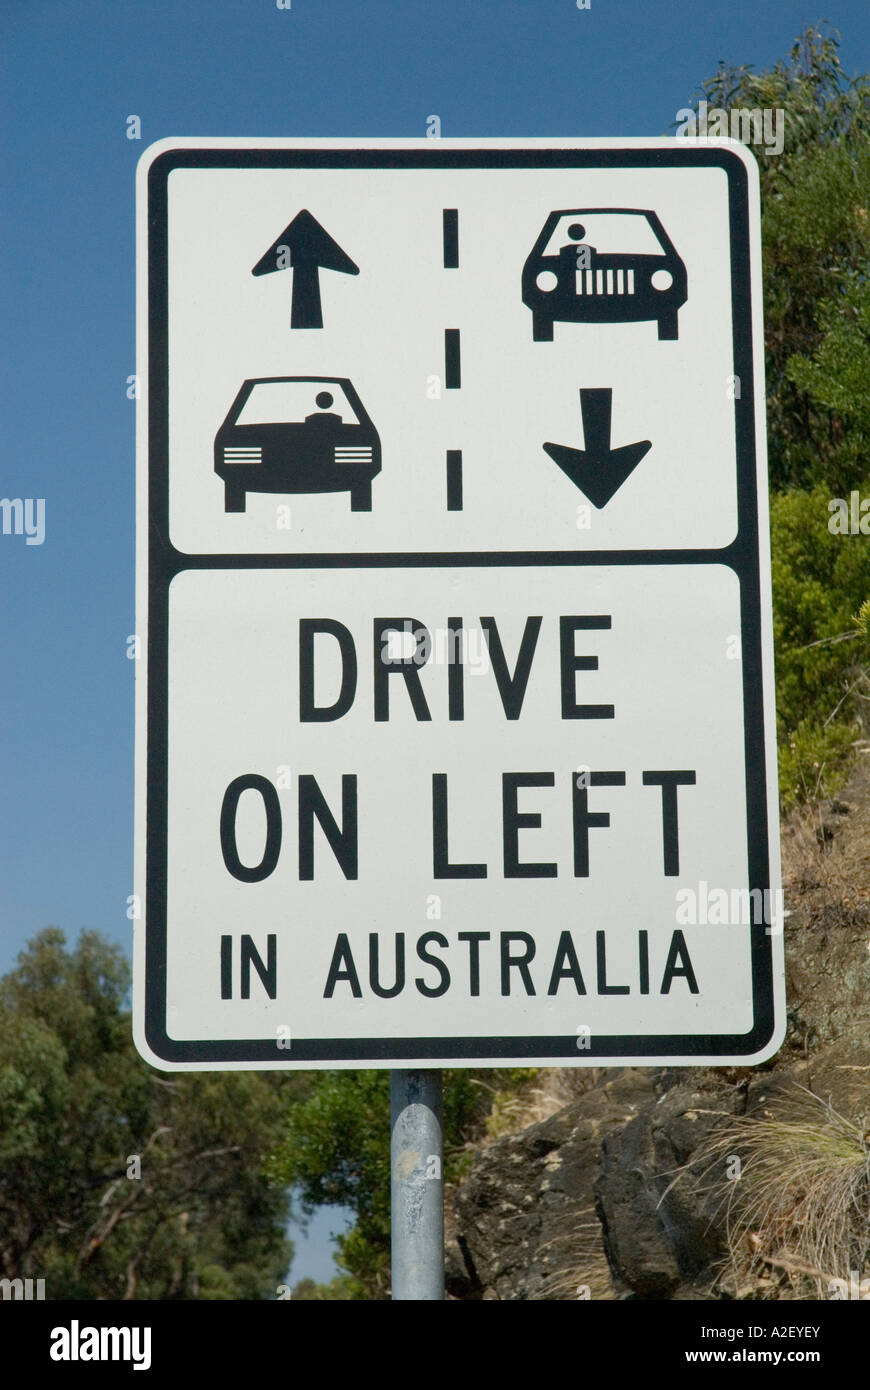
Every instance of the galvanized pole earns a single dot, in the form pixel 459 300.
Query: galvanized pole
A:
pixel 417 1190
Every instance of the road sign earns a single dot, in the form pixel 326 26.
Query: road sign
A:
pixel 455 735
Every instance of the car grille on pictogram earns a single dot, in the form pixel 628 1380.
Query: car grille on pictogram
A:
pixel 249 454
pixel 604 282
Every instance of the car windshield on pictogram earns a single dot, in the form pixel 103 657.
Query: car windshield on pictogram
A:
pixel 297 434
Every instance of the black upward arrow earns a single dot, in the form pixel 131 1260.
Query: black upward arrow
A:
pixel 598 470
pixel 306 247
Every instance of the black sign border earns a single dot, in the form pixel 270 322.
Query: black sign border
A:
pixel 164 562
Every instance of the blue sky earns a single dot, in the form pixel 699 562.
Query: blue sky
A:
pixel 72 72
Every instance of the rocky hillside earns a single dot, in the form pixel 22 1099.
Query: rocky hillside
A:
pixel 705 1182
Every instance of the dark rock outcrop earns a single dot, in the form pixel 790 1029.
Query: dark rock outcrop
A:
pixel 525 1219
pixel 661 1237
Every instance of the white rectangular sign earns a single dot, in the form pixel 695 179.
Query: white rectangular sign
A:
pixel 455 731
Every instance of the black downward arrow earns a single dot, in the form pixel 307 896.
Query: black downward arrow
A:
pixel 308 248
pixel 598 470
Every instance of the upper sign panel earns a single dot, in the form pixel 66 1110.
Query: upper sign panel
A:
pixel 440 349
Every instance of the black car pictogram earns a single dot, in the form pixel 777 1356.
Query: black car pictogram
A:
pixel 297 434
pixel 603 265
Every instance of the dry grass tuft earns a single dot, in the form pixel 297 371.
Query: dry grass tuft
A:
pixel 797 1216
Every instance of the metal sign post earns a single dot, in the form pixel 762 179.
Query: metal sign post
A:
pixel 416 1186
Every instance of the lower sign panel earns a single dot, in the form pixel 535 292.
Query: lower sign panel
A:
pixel 505 813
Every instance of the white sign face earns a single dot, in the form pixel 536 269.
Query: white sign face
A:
pixel 455 738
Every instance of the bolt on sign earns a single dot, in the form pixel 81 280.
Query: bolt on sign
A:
pixel 455 731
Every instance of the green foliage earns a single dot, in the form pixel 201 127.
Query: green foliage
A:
pixel 816 236
pixel 837 375
pixel 813 761
pixel 815 249
pixel 341 1288
pixel 76 1101
pixel 815 253
pixel 820 580
pixel 337 1151
pixel 862 621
